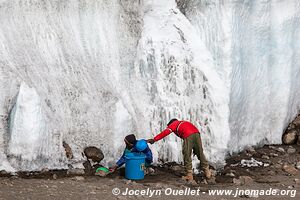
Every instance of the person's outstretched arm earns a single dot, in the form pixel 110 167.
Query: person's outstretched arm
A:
pixel 160 136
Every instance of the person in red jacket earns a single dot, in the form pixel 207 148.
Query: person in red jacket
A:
pixel 191 142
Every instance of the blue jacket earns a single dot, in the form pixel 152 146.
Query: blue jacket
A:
pixel 147 152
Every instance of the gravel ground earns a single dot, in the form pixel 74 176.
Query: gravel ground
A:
pixel 280 175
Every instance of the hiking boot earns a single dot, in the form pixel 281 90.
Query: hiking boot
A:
pixel 189 176
pixel 207 173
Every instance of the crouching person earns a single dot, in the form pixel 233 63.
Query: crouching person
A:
pixel 134 145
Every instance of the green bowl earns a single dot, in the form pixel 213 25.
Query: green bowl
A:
pixel 102 169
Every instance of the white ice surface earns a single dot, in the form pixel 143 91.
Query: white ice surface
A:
pixel 90 72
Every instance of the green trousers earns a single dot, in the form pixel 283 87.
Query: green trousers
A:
pixel 191 144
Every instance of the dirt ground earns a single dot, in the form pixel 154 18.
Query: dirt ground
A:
pixel 276 173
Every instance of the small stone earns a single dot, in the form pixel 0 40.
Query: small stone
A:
pixel 54 176
pixel 280 149
pixel 272 147
pixel 290 169
pixel 291 150
pixel 3 172
pixel 237 181
pixel 290 187
pixel 127 182
pixel 44 170
pixel 289 137
pixel 93 192
pixel 245 179
pixel 134 183
pixel 250 150
pixel 230 174
pixel 297 181
pixel 298 165
pixel 78 178
pixel 253 196
pixel 274 154
pixel 68 150
pixel 212 180
pixel 75 171
pixel 265 157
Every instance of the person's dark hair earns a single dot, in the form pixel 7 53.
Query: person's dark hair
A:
pixel 130 139
pixel 171 121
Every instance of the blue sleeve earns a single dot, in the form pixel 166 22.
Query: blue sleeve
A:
pixel 148 153
pixel 122 160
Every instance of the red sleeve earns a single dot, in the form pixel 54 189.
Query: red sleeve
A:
pixel 163 134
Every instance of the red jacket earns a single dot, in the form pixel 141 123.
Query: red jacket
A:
pixel 182 129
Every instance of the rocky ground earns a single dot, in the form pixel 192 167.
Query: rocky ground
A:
pixel 273 168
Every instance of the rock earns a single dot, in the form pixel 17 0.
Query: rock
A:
pixel 280 149
pixel 297 121
pixel 93 153
pixel 272 147
pixel 245 179
pixel 68 150
pixel 149 171
pixel 290 187
pixel 297 181
pixel 289 137
pixel 54 176
pixel 88 169
pixel 291 150
pixel 265 157
pixel 237 181
pixel 75 172
pixel 250 150
pixel 204 181
pixel 45 170
pixel 274 154
pixel 212 180
pixel 298 141
pixel 3 173
pixel 290 169
pixel 230 174
pixel 127 182
pixel 78 178
pixel 298 165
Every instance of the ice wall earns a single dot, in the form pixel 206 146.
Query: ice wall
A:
pixel 90 72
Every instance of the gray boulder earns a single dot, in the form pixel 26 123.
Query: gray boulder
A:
pixel 290 137
pixel 93 153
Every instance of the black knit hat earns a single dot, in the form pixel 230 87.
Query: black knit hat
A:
pixel 130 139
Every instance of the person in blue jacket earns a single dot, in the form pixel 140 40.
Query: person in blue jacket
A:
pixel 134 145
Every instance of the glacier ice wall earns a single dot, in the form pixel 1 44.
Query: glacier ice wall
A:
pixel 90 72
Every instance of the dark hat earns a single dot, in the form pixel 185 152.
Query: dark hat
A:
pixel 130 139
